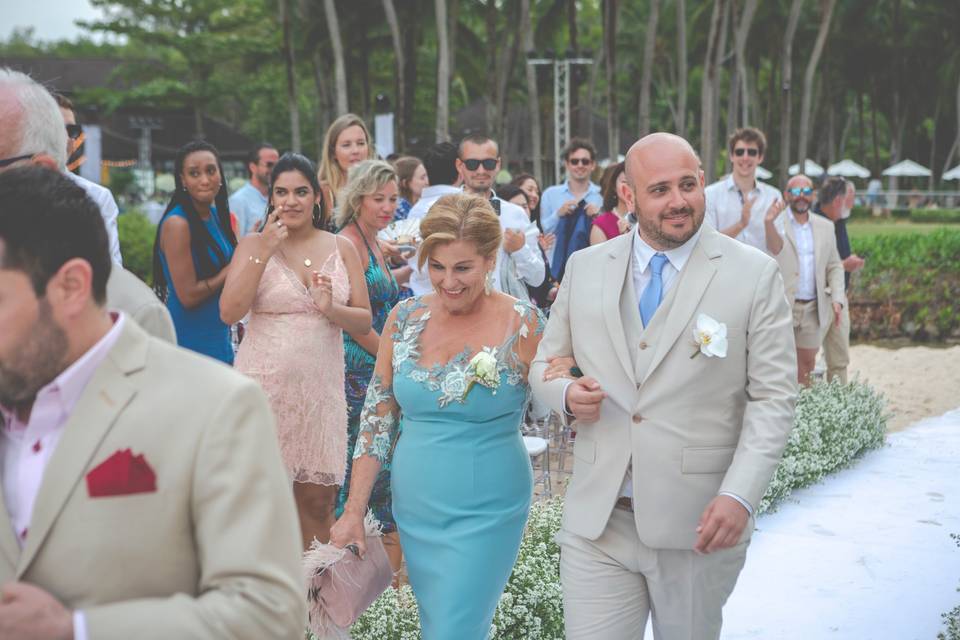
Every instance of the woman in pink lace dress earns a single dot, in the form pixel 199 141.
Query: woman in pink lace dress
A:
pixel 302 286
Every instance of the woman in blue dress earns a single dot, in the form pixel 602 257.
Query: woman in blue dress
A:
pixel 194 245
pixel 452 379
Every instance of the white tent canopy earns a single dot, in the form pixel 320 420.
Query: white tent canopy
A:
pixel 763 174
pixel 810 168
pixel 907 169
pixel 953 174
pixel 848 169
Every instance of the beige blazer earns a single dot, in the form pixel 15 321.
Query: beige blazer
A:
pixel 128 293
pixel 828 271
pixel 690 427
pixel 214 552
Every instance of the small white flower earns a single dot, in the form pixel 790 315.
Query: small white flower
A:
pixel 710 337
pixel 483 368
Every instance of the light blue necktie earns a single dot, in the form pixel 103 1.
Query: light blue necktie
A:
pixel 653 294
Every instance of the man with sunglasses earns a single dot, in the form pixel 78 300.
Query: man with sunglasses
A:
pixel 249 202
pixel 101 195
pixel 805 247
pixel 478 162
pixel 564 199
pixel 737 203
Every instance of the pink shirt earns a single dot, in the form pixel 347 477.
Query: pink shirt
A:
pixel 25 449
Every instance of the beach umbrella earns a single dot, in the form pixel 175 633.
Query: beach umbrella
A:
pixel 848 169
pixel 953 174
pixel 810 167
pixel 763 174
pixel 907 169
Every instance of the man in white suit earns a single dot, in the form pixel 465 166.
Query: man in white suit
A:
pixel 143 494
pixel 677 434
pixel 805 247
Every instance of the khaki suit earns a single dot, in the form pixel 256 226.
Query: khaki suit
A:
pixel 128 293
pixel 687 427
pixel 214 552
pixel 828 270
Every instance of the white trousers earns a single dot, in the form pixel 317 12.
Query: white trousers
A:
pixel 612 584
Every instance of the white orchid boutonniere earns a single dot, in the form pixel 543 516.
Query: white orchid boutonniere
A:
pixel 483 369
pixel 709 337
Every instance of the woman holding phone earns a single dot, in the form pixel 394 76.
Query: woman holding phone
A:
pixel 303 287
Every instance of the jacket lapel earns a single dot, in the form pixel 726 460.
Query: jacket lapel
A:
pixel 692 284
pixel 613 278
pixel 102 401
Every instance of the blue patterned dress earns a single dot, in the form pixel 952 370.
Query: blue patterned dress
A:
pixel 462 481
pixel 384 293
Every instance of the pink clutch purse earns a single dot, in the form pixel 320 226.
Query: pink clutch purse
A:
pixel 341 586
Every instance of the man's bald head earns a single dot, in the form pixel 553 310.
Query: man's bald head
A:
pixel 30 121
pixel 799 180
pixel 664 189
pixel 799 193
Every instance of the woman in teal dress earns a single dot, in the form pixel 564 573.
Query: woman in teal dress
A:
pixel 193 247
pixel 452 379
pixel 367 205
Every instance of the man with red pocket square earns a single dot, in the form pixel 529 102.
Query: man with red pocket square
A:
pixel 143 495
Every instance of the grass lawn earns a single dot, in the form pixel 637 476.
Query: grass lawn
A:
pixel 863 228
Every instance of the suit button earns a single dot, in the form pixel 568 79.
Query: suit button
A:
pixel 637 418
pixel 643 345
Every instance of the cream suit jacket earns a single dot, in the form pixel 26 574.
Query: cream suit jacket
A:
pixel 128 293
pixel 214 553
pixel 690 426
pixel 828 270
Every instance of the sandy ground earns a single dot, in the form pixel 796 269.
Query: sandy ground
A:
pixel 919 382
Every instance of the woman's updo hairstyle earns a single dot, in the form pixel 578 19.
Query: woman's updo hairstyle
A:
pixel 460 216
pixel 364 179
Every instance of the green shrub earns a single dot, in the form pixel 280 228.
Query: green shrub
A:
pixel 952 617
pixel 861 213
pixel 949 216
pixel 137 234
pixel 900 213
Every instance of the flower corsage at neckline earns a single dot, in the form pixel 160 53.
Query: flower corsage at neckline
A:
pixel 709 337
pixel 483 370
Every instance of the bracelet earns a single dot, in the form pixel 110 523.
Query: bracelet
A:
pixel 255 260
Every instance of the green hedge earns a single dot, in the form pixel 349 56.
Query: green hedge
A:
pixel 948 216
pixel 137 234
pixel 834 425
pixel 910 285
pixel 951 618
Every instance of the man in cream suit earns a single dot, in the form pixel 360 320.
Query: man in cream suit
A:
pixel 143 495
pixel 805 247
pixel 677 437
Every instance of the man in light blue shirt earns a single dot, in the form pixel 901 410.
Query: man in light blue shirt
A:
pixel 249 203
pixel 561 200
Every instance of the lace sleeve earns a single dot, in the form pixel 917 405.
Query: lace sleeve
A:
pixel 381 413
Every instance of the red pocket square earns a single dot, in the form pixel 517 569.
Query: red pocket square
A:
pixel 121 474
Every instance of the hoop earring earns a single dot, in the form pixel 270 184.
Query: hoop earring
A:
pixel 488 283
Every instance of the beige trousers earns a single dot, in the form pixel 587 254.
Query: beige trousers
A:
pixel 612 584
pixel 836 347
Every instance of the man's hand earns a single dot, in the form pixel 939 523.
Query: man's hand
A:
pixel 721 525
pixel 837 309
pixel 567 208
pixel 513 240
pixel 584 396
pixel 30 613
pixel 747 210
pixel 853 262
pixel 592 210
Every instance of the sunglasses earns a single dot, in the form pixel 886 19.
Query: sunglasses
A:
pixel 750 152
pixel 473 164
pixel 797 191
pixel 584 161
pixel 74 131
pixel 8 161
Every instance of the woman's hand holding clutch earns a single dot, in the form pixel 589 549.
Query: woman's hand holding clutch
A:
pixel 349 530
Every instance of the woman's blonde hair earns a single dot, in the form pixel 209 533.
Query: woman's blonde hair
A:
pixel 365 179
pixel 460 216
pixel 330 173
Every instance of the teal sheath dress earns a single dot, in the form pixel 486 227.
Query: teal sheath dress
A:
pixel 461 477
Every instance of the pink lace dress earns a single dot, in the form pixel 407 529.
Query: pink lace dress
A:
pixel 296 354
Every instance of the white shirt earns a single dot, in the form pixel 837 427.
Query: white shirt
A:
pixel 806 258
pixel 724 204
pixel 26 449
pixel 108 210
pixel 528 259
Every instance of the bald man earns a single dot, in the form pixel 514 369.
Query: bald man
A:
pixel 805 247
pixel 682 411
